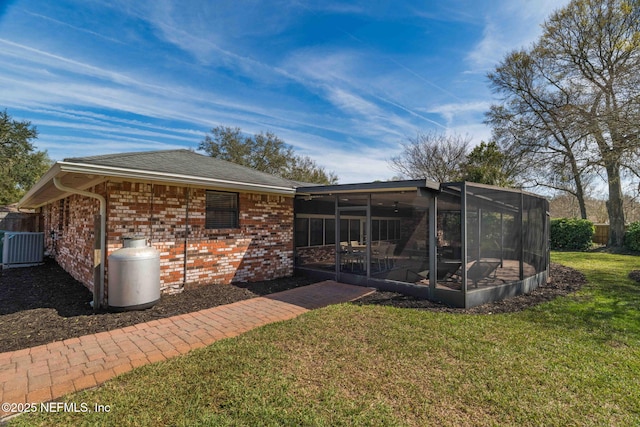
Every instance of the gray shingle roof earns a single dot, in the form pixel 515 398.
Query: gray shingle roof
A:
pixel 187 163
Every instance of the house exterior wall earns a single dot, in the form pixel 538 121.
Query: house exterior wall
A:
pixel 69 235
pixel 172 219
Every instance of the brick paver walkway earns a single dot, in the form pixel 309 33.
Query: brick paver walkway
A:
pixel 47 372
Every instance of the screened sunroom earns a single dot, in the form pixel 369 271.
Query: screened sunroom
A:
pixel 463 244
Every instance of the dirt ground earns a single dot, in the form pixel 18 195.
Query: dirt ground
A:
pixel 39 305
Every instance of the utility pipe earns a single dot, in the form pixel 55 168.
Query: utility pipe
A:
pixel 98 296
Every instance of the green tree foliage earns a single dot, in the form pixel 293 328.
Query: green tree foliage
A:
pixel 21 165
pixel 632 237
pixel 264 152
pixel 487 164
pixel 446 158
pixel 571 234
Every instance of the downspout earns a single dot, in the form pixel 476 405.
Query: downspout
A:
pixel 186 237
pixel 98 296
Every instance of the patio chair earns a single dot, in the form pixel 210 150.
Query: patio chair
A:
pixel 419 277
pixel 447 269
pixel 389 255
pixel 379 254
pixel 482 269
pixel 351 257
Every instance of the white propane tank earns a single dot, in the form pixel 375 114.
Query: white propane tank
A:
pixel 134 276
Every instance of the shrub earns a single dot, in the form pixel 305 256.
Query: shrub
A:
pixel 632 236
pixel 571 234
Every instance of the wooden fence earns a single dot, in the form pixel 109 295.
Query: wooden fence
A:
pixel 601 234
pixel 18 221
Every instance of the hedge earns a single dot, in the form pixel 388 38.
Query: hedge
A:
pixel 632 236
pixel 571 234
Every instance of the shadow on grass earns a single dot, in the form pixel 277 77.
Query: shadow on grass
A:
pixel 608 307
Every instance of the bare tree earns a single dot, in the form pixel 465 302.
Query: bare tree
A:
pixel 533 126
pixel 586 73
pixel 432 156
pixel 594 51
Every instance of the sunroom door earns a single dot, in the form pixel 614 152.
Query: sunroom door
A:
pixel 351 230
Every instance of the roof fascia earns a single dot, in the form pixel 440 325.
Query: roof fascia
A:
pixel 373 187
pixel 469 184
pixel 47 177
pixel 168 177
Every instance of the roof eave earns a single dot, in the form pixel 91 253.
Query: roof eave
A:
pixel 47 177
pixel 173 178
pixel 110 171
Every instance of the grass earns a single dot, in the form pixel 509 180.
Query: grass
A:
pixel 574 361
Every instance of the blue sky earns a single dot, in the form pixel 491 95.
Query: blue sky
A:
pixel 342 82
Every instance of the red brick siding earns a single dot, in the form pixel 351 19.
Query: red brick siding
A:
pixel 260 249
pixel 316 255
pixel 69 235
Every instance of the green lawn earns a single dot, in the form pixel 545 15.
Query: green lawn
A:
pixel 574 361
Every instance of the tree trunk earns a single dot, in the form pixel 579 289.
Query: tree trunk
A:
pixel 577 178
pixel 614 205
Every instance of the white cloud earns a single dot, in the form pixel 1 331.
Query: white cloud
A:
pixel 352 103
pixel 345 104
pixel 512 24
pixel 363 88
pixel 75 28
pixel 454 112
pixel 353 163
pixel 212 31
pixel 478 132
pixel 65 81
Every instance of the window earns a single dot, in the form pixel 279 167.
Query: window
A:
pixel 221 210
pixel 319 231
pixel 354 230
pixel 375 230
pixel 329 231
pixel 316 231
pixel 383 230
pixel 302 232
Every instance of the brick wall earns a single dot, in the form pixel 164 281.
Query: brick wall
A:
pixel 69 235
pixel 414 231
pixel 318 255
pixel 190 255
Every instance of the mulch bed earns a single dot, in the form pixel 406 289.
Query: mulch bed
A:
pixel 39 305
pixel 564 280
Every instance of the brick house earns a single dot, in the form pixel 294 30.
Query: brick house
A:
pixel 215 222
pixel 212 221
